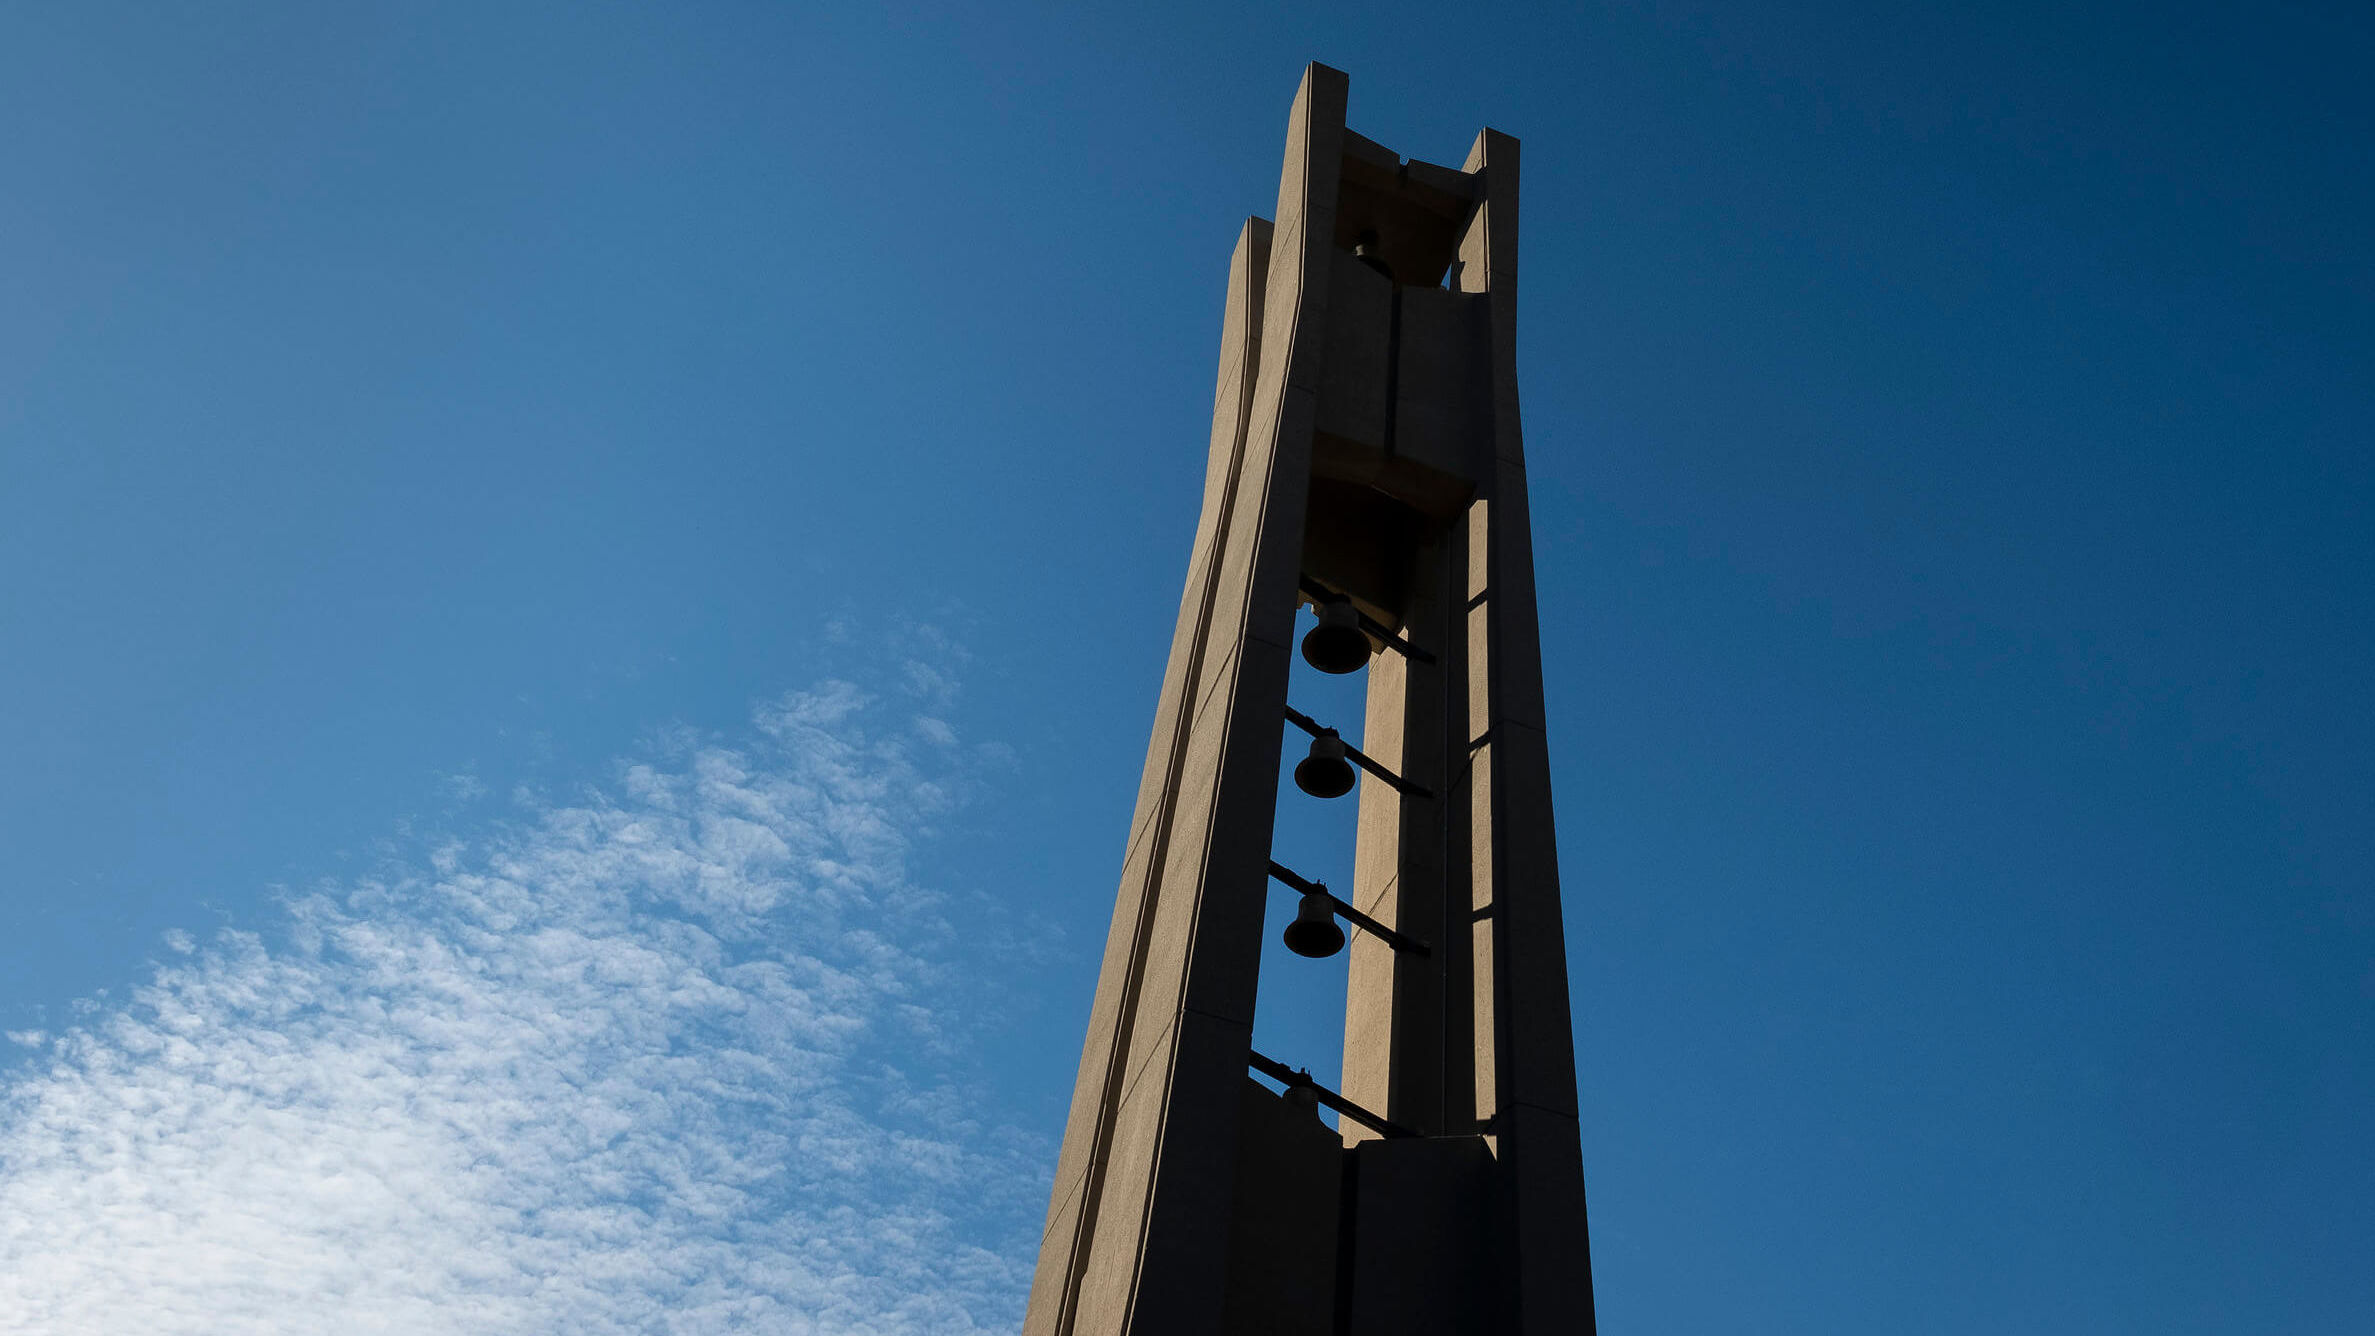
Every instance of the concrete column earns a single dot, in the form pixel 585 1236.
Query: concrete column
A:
pixel 1139 1223
pixel 1395 1055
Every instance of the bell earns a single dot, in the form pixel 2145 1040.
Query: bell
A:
pixel 1304 1096
pixel 1337 644
pixel 1365 248
pixel 1314 932
pixel 1325 773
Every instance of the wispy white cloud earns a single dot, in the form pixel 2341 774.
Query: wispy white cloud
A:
pixel 685 1056
pixel 463 786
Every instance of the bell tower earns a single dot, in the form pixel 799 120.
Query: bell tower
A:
pixel 1366 463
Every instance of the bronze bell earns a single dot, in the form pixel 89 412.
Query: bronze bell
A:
pixel 1325 773
pixel 1337 644
pixel 1314 932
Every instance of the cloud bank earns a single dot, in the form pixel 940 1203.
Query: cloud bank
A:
pixel 683 1057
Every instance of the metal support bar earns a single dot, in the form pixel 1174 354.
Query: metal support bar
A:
pixel 1354 755
pixel 1345 910
pixel 1301 1076
pixel 1316 594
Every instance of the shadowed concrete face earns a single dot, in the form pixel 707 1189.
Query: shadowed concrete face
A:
pixel 1365 454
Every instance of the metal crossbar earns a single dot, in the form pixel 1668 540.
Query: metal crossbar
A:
pixel 1354 754
pixel 1316 593
pixel 1301 1076
pixel 1345 910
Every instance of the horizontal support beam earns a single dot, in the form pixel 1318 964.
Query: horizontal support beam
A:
pixel 1291 1077
pixel 1345 910
pixel 1316 593
pixel 1354 754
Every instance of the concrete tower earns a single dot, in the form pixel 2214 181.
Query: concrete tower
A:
pixel 1365 460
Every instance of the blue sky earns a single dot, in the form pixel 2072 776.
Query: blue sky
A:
pixel 582 588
